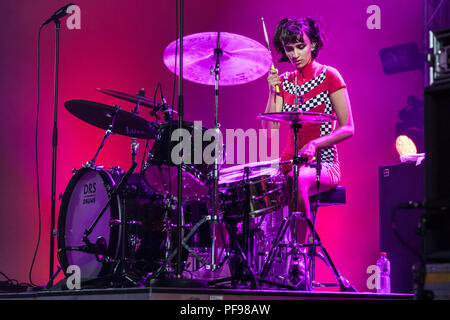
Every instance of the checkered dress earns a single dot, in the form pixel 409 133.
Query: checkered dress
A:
pixel 309 90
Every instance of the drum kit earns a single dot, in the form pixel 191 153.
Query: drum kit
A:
pixel 118 226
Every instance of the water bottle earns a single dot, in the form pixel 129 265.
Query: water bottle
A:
pixel 384 281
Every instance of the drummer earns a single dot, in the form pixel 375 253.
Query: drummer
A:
pixel 312 87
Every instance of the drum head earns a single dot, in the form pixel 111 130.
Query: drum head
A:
pixel 164 179
pixel 235 174
pixel 83 200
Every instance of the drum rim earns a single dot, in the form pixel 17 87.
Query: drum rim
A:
pixel 252 181
pixel 189 169
pixel 114 234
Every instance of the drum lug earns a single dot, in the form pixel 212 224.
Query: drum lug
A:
pixel 114 223
pixel 60 196
pixel 117 170
pixel 74 170
pixel 117 222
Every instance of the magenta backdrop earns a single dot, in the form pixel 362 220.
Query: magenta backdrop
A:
pixel 120 46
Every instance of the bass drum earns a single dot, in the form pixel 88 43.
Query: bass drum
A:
pixel 84 198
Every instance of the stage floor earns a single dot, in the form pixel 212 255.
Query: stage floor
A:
pixel 160 293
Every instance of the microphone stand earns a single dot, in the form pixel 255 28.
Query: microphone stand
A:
pixel 179 281
pixel 179 269
pixel 54 153
pixel 218 52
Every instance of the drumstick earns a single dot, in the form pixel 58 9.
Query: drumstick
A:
pixel 268 47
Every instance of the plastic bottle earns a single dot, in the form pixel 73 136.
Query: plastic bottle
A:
pixel 384 265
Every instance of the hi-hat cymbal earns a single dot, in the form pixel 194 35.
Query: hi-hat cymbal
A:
pixel 243 59
pixel 134 98
pixel 101 116
pixel 297 117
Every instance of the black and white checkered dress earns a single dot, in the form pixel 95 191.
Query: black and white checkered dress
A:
pixel 309 90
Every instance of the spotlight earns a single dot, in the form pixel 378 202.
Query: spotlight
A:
pixel 405 145
pixel 411 123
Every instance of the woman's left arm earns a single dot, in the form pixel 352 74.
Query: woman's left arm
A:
pixel 345 129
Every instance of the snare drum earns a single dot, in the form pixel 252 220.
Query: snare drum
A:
pixel 262 192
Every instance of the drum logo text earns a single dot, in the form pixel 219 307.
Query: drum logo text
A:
pixel 89 191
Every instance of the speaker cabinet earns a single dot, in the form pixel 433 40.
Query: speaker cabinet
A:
pixel 399 184
pixel 437 194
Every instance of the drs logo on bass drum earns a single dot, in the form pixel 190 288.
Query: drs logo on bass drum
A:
pixel 89 193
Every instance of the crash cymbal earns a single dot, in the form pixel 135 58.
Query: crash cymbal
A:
pixel 243 59
pixel 134 98
pixel 101 116
pixel 297 117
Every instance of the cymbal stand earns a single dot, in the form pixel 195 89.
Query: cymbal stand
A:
pixel 244 250
pixel 108 132
pixel 169 258
pixel 215 175
pixel 291 220
pixel 134 144
pixel 166 270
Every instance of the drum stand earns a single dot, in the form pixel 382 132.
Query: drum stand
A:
pixel 214 217
pixel 244 251
pixel 108 132
pixel 215 175
pixel 308 283
pixel 134 144
pixel 291 220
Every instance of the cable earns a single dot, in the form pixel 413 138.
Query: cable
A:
pixel 37 160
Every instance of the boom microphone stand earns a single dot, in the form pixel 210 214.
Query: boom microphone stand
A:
pixel 55 17
pixel 180 166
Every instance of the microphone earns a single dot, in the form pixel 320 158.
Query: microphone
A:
pixel 58 14
pixel 165 107
pixel 99 248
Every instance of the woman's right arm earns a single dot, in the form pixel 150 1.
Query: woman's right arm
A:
pixel 274 103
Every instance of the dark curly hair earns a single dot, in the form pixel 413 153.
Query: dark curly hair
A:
pixel 292 30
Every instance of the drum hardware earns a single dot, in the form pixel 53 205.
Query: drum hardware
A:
pixel 245 272
pixel 218 52
pixel 195 254
pixel 138 99
pixel 165 271
pixel 160 172
pixel 134 144
pixel 296 119
pixel 100 115
pixel 254 61
pixel 99 249
pixel 108 132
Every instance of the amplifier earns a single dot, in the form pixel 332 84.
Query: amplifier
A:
pixel 399 184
